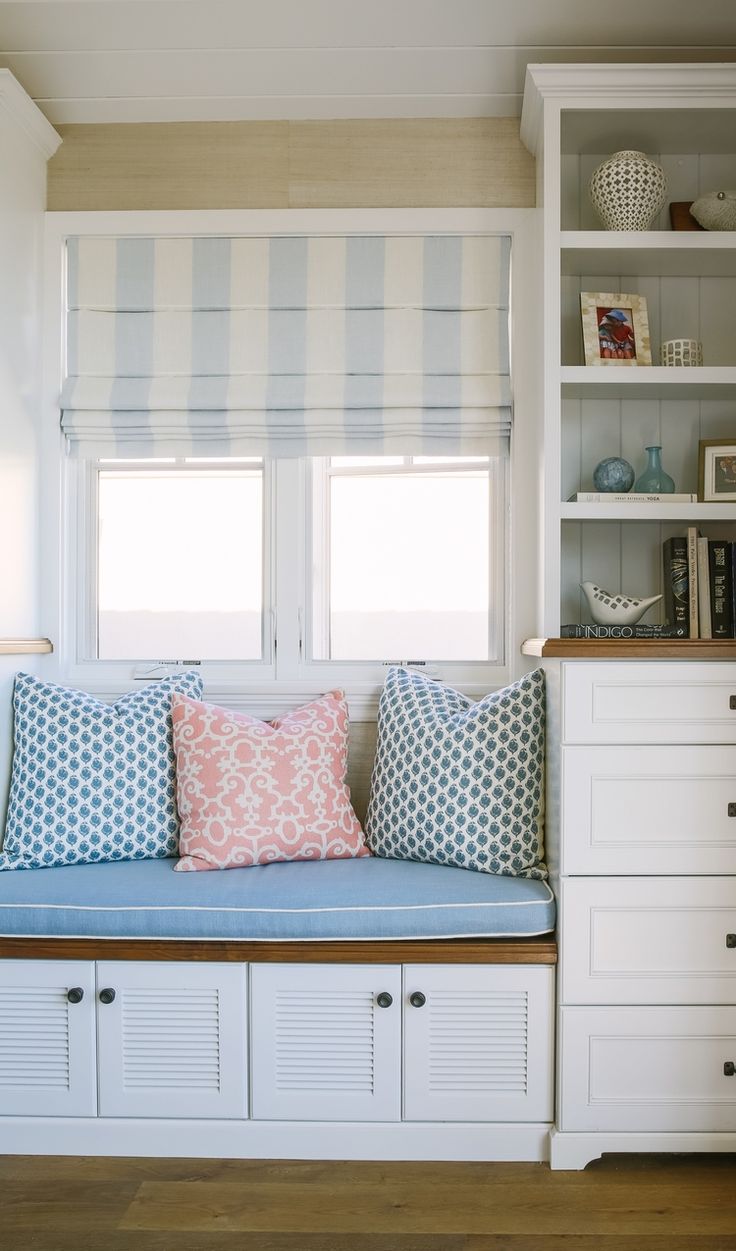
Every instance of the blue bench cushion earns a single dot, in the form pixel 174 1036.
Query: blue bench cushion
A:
pixel 329 899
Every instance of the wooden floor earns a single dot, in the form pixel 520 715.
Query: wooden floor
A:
pixel 625 1203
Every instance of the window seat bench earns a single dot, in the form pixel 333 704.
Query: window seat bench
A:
pixel 355 1009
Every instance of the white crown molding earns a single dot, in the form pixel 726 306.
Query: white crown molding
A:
pixel 92 110
pixel 677 85
pixel 27 117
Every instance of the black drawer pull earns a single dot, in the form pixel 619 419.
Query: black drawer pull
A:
pixel 107 995
pixel 384 1000
pixel 731 941
pixel 75 995
pixel 729 1068
pixel 732 703
pixel 732 810
pixel 418 999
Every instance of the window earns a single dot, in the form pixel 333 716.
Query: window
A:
pixel 272 345
pixel 179 561
pixel 291 569
pixel 404 557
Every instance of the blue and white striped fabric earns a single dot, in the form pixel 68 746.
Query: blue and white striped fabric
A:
pixel 287 346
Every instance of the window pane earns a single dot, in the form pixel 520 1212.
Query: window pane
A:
pixel 409 566
pixel 180 559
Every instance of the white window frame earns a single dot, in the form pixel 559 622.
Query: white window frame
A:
pixel 454 671
pixel 268 689
pixel 83 575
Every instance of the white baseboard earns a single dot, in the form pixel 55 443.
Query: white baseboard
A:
pixel 294 1140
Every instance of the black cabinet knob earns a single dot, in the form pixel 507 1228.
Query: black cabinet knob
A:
pixel 384 1000
pixel 107 995
pixel 417 999
pixel 729 1068
pixel 75 995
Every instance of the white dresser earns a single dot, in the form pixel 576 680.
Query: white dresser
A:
pixel 642 837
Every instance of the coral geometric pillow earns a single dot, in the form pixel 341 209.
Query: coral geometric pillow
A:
pixel 253 792
pixel 458 782
pixel 92 781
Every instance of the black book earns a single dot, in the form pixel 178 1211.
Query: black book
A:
pixel 721 588
pixel 733 589
pixel 676 585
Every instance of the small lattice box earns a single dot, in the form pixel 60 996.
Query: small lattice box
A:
pixel 681 352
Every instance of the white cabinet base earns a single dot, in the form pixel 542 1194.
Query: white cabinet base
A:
pixel 574 1151
pixel 264 1140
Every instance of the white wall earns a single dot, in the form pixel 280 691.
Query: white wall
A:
pixel 22 204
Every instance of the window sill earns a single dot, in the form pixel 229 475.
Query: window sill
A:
pixel 270 700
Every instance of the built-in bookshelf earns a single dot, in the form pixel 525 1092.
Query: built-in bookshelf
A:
pixel 685 118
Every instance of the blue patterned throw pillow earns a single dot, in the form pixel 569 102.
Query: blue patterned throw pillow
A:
pixel 92 781
pixel 458 782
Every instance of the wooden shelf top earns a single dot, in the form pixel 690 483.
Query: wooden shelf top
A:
pixel 24 647
pixel 631 649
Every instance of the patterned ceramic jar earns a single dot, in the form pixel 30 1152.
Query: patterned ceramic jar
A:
pixel 681 352
pixel 628 190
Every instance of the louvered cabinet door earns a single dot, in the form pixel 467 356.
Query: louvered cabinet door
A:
pixel 172 1039
pixel 323 1048
pixel 47 1038
pixel 478 1043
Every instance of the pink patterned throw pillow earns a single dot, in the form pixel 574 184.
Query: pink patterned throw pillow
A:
pixel 252 792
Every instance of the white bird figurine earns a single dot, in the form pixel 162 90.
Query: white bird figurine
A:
pixel 608 609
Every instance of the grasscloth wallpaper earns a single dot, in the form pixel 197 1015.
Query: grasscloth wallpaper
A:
pixel 395 163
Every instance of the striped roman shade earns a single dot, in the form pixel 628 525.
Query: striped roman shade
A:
pixel 287 346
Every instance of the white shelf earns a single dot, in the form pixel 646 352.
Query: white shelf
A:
pixel 649 253
pixel 655 382
pixel 648 512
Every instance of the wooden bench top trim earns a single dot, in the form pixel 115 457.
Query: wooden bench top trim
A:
pixel 535 950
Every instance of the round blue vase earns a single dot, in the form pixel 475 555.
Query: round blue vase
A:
pixel 614 474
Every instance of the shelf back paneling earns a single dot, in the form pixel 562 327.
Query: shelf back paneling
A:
pixel 677 308
pixel 593 429
pixel 689 175
pixel 620 556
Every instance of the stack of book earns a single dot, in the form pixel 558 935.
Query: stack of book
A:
pixel 700 586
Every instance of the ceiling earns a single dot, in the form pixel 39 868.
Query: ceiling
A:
pixel 191 60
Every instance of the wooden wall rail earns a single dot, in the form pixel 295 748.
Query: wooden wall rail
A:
pixel 24 647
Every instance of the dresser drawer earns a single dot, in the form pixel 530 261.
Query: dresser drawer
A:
pixel 649 809
pixel 648 940
pixel 647 1069
pixel 649 702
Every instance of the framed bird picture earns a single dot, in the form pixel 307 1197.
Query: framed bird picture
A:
pixel 615 328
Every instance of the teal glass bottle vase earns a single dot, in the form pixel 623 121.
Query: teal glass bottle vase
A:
pixel 654 480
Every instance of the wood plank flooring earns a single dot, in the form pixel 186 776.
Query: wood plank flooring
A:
pixel 624 1203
